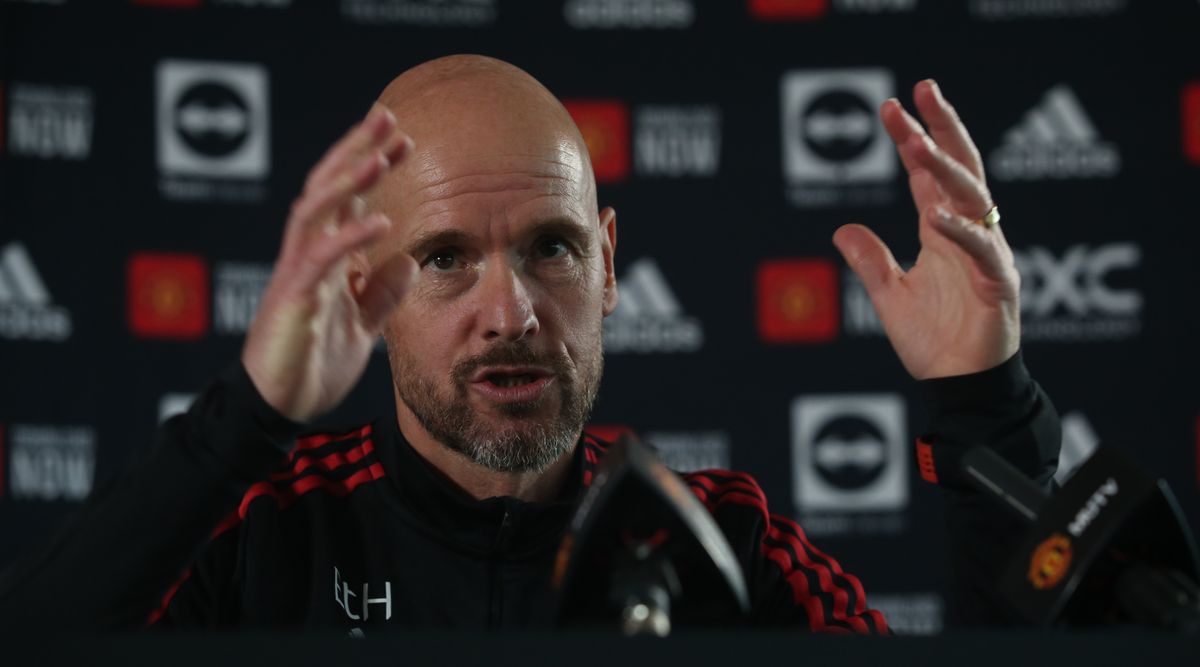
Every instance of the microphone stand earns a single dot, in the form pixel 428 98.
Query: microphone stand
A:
pixel 1110 547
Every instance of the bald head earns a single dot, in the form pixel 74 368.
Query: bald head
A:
pixel 475 108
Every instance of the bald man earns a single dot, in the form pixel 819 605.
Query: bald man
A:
pixel 459 221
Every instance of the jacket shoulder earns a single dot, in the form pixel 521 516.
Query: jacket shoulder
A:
pixel 334 461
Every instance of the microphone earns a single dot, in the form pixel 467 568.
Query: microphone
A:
pixel 1110 547
pixel 643 554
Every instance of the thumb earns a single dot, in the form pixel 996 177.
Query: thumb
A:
pixel 385 289
pixel 867 256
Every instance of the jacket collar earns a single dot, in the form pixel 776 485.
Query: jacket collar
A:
pixel 499 526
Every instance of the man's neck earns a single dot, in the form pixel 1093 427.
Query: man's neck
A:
pixel 477 481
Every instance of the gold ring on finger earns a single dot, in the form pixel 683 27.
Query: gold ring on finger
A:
pixel 990 218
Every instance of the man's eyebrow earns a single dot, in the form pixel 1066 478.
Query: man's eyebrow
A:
pixel 562 226
pixel 428 241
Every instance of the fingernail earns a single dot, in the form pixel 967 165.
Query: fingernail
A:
pixel 936 89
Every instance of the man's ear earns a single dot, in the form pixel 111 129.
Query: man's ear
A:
pixel 608 246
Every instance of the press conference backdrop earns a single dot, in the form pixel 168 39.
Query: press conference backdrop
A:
pixel 149 151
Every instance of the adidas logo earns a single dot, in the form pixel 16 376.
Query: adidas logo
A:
pixel 1054 140
pixel 26 312
pixel 648 317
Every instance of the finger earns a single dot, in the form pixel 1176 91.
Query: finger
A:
pixel 900 126
pixel 378 126
pixel 968 193
pixel 317 206
pixel 869 258
pixel 385 289
pixel 323 251
pixel 981 243
pixel 924 189
pixel 946 127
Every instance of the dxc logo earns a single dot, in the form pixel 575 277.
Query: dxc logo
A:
pixel 1074 297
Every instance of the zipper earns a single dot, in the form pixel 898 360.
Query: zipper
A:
pixel 503 537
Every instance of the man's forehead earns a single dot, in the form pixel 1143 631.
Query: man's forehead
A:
pixel 444 170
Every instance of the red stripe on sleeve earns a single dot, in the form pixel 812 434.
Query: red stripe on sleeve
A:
pixel 166 599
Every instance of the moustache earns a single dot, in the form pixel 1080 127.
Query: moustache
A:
pixel 519 353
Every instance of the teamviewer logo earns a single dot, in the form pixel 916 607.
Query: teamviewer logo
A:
pixel 830 132
pixel 213 119
pixel 849 453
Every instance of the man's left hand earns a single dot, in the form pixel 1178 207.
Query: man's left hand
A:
pixel 956 311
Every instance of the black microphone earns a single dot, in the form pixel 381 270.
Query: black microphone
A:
pixel 1110 547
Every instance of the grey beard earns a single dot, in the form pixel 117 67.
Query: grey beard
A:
pixel 526 447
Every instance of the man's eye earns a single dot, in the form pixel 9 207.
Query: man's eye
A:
pixel 549 248
pixel 442 260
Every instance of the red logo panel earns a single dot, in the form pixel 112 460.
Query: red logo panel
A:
pixel 168 296
pixel 788 10
pixel 798 301
pixel 604 125
pixel 1191 122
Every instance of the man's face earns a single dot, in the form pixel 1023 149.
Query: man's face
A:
pixel 496 350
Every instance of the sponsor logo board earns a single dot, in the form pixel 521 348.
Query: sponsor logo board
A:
pixel 1191 122
pixel 237 289
pixel 811 10
pixel 850 462
pixel 687 451
pixel 676 141
pixel 629 14
pixel 430 13
pixel 648 318
pixel 167 296
pixel 788 10
pixel 51 462
pixel 49 122
pixel 214 130
pixel 1075 296
pixel 27 311
pixel 1083 293
pixel 1079 442
pixel 1055 140
pixel 1005 10
pixel 835 151
pixel 174 404
pixel 604 125
pixel 797 301
pixel 911 614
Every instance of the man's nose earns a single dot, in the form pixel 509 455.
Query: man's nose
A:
pixel 506 310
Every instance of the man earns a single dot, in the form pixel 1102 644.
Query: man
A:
pixel 459 220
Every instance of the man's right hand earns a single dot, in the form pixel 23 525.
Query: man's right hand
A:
pixel 318 321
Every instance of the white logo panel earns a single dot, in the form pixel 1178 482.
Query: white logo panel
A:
pixel 830 129
pixel 849 453
pixel 213 119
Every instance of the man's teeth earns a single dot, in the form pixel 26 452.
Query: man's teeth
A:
pixel 512 380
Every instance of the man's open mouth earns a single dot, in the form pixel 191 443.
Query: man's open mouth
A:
pixel 511 383
pixel 502 380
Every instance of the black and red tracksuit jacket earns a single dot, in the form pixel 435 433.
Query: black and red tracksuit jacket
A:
pixel 230 520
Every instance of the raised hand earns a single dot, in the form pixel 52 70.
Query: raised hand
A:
pixel 956 310
pixel 318 320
